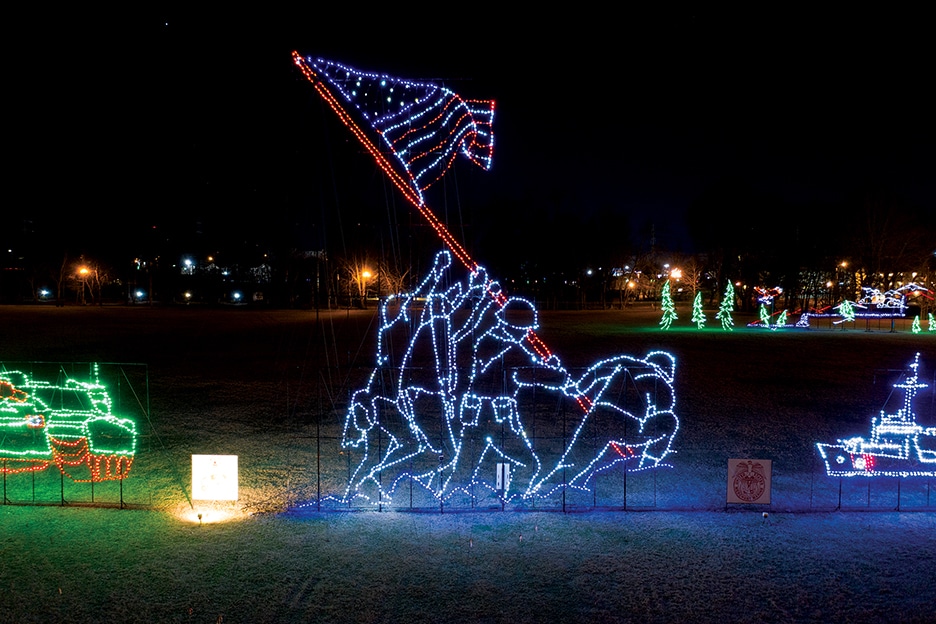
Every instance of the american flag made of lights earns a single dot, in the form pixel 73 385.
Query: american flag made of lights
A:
pixel 420 127
pixel 414 131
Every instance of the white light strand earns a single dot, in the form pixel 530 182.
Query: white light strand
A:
pixel 474 396
pixel 898 447
pixel 428 127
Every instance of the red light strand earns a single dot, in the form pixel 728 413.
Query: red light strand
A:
pixel 406 187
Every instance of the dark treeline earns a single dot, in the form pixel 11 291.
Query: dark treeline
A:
pixel 359 243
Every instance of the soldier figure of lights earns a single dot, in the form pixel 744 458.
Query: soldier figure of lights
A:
pixel 453 407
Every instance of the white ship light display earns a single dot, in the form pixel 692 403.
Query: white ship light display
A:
pixel 898 447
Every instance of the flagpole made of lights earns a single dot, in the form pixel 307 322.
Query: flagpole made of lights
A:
pixel 407 183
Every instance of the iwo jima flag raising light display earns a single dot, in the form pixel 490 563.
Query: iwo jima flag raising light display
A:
pixel 460 426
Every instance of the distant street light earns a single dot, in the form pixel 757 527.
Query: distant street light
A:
pixel 362 286
pixel 83 273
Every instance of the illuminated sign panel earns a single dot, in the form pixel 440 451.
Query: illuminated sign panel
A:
pixel 214 477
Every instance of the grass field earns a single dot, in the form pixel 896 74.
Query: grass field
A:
pixel 268 386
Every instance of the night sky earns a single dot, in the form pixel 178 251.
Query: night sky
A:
pixel 130 129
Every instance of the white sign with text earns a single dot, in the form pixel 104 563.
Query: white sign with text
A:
pixel 214 477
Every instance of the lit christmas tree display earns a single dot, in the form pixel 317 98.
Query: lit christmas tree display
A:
pixel 915 326
pixel 847 310
pixel 931 325
pixel 764 316
pixel 898 447
pixel 67 424
pixel 781 321
pixel 669 308
pixel 766 298
pixel 726 308
pixel 698 315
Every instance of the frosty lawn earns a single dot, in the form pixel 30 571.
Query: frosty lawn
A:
pixel 262 385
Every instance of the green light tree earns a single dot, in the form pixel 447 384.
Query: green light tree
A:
pixel 915 327
pixel 847 310
pixel 726 307
pixel 698 315
pixel 931 326
pixel 669 308
pixel 781 321
pixel 764 316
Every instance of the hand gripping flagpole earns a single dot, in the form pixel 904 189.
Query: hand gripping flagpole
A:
pixel 419 140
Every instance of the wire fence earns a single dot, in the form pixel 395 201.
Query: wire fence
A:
pixel 61 441
pixel 695 480
pixel 556 432
pixel 694 476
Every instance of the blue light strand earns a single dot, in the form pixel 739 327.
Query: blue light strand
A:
pixel 483 375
